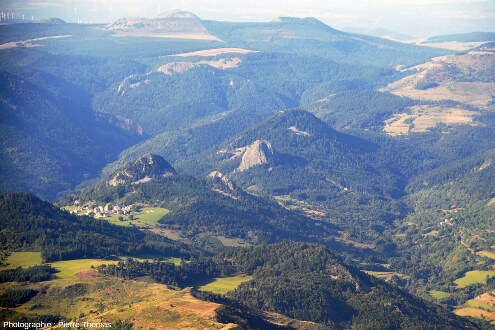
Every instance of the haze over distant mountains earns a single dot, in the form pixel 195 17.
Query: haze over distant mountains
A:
pixel 259 174
pixel 443 17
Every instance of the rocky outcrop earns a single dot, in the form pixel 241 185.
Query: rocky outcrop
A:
pixel 176 67
pixel 143 169
pixel 219 176
pixel 221 184
pixel 259 153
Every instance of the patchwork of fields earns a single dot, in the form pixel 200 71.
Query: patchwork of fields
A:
pixel 77 295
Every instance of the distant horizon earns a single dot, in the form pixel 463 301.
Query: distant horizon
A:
pixel 418 18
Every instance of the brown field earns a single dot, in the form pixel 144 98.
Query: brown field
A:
pixel 169 233
pixel 453 45
pixel 475 312
pixel 30 42
pixel 387 276
pixel 164 35
pixel 423 117
pixel 146 305
pixel 473 93
pixel 216 51
pixel 455 76
pixel 232 242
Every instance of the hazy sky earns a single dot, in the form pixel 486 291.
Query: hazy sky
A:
pixel 418 18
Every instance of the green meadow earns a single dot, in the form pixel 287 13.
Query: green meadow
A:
pixel 480 304
pixel 149 217
pixel 152 215
pixel 439 294
pixel 473 277
pixel 224 284
pixel 24 259
pixel 69 268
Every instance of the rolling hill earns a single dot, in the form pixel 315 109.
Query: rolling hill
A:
pixel 307 166
pixel 211 206
pixel 310 36
pixel 50 143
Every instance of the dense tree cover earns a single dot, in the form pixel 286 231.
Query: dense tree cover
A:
pixel 464 37
pixel 349 177
pixel 31 274
pixel 391 193
pixel 322 152
pixel 261 83
pixel 233 311
pixel 359 109
pixel 428 161
pixel 66 81
pixel 453 203
pixel 14 298
pixel 307 282
pixel 51 143
pixel 178 146
pixel 197 208
pixel 26 31
pixel 311 37
pixel 302 281
pixel 186 274
pixel 27 221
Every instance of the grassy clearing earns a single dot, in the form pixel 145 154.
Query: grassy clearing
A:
pixel 148 218
pixel 225 284
pixel 24 259
pixel 473 277
pixel 480 304
pixel 232 242
pixel 69 268
pixel 486 254
pixel 285 198
pixel 439 294
pixel 152 215
pixel 114 219
pixel 383 275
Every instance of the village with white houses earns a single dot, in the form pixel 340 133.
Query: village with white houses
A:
pixel 101 211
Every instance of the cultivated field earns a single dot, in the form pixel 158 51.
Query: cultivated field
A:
pixel 23 259
pixel 420 118
pixel 439 294
pixel 473 277
pixel 147 217
pixel 224 284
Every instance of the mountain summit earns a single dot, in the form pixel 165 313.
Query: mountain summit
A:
pixel 171 23
pixel 177 13
pixel 143 169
